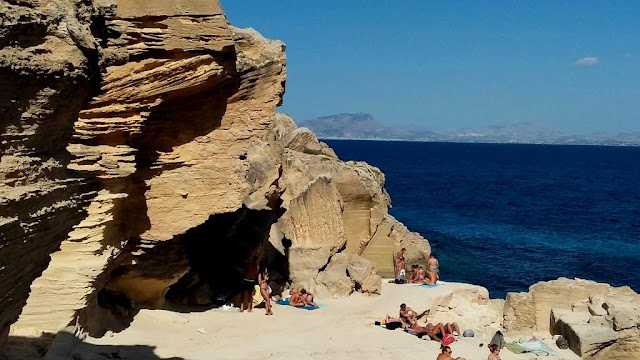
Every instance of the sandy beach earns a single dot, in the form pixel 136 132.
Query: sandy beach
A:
pixel 343 329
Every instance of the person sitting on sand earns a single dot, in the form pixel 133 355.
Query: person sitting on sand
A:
pixel 265 290
pixel 446 354
pixel 433 265
pixel 410 316
pixel 420 274
pixel 295 298
pixel 495 352
pixel 433 271
pixel 413 277
pixel 248 283
pixel 307 298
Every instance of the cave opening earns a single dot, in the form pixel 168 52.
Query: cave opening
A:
pixel 217 251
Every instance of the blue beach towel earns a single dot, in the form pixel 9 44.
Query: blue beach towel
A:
pixel 431 286
pixel 285 302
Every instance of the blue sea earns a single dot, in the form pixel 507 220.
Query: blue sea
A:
pixel 505 216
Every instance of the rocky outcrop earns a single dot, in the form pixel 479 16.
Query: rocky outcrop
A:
pixel 599 321
pixel 143 162
pixel 48 70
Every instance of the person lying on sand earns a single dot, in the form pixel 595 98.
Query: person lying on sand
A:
pixel 295 298
pixel 450 328
pixel 435 332
pixel 446 354
pixel 307 298
pixel 409 315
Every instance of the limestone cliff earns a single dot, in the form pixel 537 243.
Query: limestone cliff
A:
pixel 143 162
pixel 598 321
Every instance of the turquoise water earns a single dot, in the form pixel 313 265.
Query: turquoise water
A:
pixel 505 216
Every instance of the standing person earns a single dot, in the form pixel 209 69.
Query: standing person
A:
pixel 265 290
pixel 248 283
pixel 495 352
pixel 400 263
pixel 446 354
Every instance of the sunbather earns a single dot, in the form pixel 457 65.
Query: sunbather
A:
pixel 307 298
pixel 413 277
pixel 409 315
pixel 450 328
pixel 433 270
pixel 495 352
pixel 295 298
pixel 446 354
pixel 420 274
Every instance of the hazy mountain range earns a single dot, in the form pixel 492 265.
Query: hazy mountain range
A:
pixel 361 126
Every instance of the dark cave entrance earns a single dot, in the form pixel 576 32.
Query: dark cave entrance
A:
pixel 217 251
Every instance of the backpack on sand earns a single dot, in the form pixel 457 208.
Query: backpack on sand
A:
pixel 498 339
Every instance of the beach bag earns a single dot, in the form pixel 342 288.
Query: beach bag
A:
pixel 468 333
pixel 393 325
pixel 448 339
pixel 498 339
pixel 562 343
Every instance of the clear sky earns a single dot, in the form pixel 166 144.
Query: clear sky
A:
pixel 571 65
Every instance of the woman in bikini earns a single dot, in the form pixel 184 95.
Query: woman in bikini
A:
pixel 307 298
pixel 401 263
pixel 265 290
pixel 433 270
pixel 295 298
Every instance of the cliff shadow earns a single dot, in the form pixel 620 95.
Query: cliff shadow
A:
pixel 217 251
pixel 65 345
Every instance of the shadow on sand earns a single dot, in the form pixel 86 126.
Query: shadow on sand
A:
pixel 66 346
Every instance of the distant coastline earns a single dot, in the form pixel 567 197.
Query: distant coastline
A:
pixel 478 142
pixel 362 126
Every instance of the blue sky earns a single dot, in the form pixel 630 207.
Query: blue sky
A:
pixel 571 65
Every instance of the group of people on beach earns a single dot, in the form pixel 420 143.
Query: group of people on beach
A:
pixel 251 272
pixel 445 353
pixel 417 275
pixel 409 320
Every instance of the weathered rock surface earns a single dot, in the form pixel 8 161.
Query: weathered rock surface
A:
pixel 142 159
pixel 599 321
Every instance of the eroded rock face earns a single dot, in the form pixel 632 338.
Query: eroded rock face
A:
pixel 140 144
pixel 48 70
pixel 599 321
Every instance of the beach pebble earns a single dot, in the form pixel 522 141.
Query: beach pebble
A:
pixel 202 331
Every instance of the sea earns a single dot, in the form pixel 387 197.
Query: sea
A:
pixel 505 216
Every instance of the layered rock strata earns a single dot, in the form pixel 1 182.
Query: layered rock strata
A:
pixel 598 321
pixel 143 161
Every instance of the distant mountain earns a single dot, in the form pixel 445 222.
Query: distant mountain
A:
pixel 358 126
pixel 361 126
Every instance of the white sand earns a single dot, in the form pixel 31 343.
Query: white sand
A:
pixel 342 330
